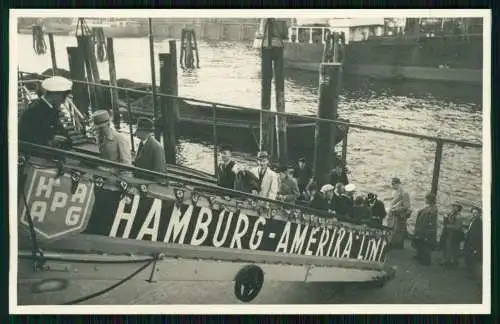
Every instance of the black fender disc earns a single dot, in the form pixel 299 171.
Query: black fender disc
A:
pixel 248 283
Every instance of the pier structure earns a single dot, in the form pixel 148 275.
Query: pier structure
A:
pixel 213 106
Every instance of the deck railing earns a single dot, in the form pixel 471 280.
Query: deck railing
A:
pixel 440 141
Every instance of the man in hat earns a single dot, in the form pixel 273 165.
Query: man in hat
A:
pixel 377 209
pixel 338 174
pixel 473 244
pixel 325 200
pixel 150 154
pixel 226 173
pixel 41 122
pixel 113 146
pixel 288 189
pixel 268 179
pixel 303 174
pixel 399 212
pixel 425 230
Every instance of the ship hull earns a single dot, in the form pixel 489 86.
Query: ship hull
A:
pixel 413 61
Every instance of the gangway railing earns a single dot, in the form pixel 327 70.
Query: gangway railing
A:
pixel 439 141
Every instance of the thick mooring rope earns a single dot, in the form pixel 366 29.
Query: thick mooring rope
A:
pixel 39 44
pixel 99 41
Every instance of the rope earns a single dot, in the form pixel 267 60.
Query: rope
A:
pixel 119 283
pixel 99 41
pixel 39 45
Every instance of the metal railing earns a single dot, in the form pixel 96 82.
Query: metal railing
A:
pixel 440 141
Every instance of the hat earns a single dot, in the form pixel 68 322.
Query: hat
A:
pixel 145 125
pixel 281 168
pixel 350 187
pixel 262 155
pixel 100 118
pixel 371 196
pixel 395 180
pixel 302 159
pixel 57 84
pixel 326 188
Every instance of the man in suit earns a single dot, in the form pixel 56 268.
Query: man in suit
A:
pixel 303 174
pixel 226 174
pixel 150 153
pixel 268 179
pixel 473 244
pixel 113 146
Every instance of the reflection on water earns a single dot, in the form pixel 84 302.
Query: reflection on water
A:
pixel 230 73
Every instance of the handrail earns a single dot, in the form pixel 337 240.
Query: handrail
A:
pixel 285 114
pixel 31 148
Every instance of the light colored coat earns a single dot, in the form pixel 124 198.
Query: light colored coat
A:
pixel 270 183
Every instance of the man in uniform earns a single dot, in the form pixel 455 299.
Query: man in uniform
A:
pixel 113 146
pixel 41 123
pixel 150 153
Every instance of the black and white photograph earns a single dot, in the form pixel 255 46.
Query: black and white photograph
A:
pixel 249 161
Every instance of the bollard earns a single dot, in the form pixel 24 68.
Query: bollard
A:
pixel 112 81
pixel 167 107
pixel 52 53
pixel 330 74
pixel 77 72
pixel 437 167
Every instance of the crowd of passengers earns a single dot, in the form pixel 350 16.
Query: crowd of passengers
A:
pixel 338 199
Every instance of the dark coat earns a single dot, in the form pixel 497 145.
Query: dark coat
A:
pixel 361 213
pixel 426 224
pixel 378 210
pixel 343 205
pixel 473 242
pixel 319 202
pixel 303 176
pixel 246 181
pixel 40 123
pixel 226 176
pixel 151 156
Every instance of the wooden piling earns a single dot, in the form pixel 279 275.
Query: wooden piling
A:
pixel 175 80
pixel 168 116
pixel 344 146
pixel 77 72
pixel 437 167
pixel 324 151
pixel 266 119
pixel 153 81
pixel 52 53
pixel 112 81
pixel 279 84
pixel 89 44
pixel 90 77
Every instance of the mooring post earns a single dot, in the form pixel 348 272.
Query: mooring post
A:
pixel 214 135
pixel 95 72
pixel 92 88
pixel 183 49
pixel 153 80
pixel 129 111
pixel 344 146
pixel 52 53
pixel 266 118
pixel 437 167
pixel 196 50
pixel 175 80
pixel 168 120
pixel 112 81
pixel 329 81
pixel 279 84
pixel 77 72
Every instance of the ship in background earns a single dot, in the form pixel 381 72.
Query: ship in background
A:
pixel 439 49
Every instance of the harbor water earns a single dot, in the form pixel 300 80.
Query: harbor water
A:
pixel 230 73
